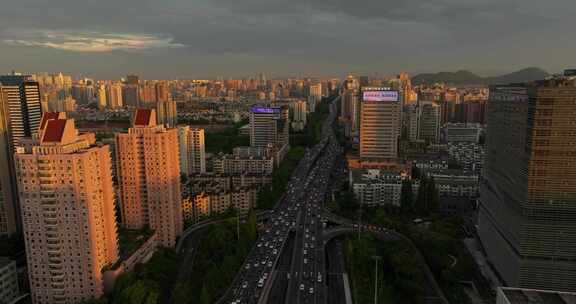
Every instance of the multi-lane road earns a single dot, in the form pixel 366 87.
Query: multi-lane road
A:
pixel 287 265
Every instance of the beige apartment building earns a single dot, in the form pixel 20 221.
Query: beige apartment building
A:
pixel 149 177
pixel 204 204
pixel 68 216
pixel 192 150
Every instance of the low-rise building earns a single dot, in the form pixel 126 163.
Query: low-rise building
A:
pixel 455 183
pixel 374 187
pixel 430 161
pixel 459 132
pixel 204 204
pixel 9 289
pixel 469 155
pixel 507 295
pixel 230 164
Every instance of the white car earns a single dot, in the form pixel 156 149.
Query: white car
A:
pixel 301 286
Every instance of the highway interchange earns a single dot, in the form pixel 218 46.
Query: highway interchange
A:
pixel 287 265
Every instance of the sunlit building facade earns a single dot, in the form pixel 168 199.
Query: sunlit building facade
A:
pixel 68 214
pixel 148 170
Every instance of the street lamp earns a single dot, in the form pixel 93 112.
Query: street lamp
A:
pixel 376 258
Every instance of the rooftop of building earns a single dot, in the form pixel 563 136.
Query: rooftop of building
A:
pixel 452 172
pixel 144 118
pixel 532 296
pixel 366 175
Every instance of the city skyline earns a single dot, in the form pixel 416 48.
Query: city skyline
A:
pixel 207 39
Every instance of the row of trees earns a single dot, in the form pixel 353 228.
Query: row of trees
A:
pixel 216 263
pixel 400 279
pixel 269 195
pixel 427 200
pixel 148 283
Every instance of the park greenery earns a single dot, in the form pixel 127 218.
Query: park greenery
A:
pixel 215 266
pixel 226 140
pixel 400 278
pixel 217 263
pixel 439 238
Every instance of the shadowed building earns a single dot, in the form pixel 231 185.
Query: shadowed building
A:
pixel 527 219
pixel 148 169
pixel 20 114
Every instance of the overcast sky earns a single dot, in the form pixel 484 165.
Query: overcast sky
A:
pixel 208 38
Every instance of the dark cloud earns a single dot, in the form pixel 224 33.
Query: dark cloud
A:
pixel 274 35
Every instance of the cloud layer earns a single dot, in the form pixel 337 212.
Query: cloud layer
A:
pixel 87 41
pixel 285 37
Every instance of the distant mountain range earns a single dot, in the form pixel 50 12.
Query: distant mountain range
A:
pixel 469 78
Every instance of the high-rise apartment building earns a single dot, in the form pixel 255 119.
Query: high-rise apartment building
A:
pixel 527 219
pixel 299 113
pixel 379 124
pixel 162 91
pixel 68 215
pixel 429 122
pixel 166 113
pixel 148 170
pixel 102 101
pixel 192 150
pixel 114 96
pixel 316 90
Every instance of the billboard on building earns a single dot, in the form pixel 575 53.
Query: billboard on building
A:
pixel 380 95
pixel 265 110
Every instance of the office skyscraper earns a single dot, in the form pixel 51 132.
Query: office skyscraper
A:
pixel 379 124
pixel 412 118
pixel 8 211
pixel 350 104
pixel 148 170
pixel 25 110
pixel 68 215
pixel 192 150
pixel 527 218
pixel 20 115
pixel 269 126
pixel 429 122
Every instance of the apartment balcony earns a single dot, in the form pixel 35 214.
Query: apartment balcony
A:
pixel 51 222
pixel 57 276
pixel 55 267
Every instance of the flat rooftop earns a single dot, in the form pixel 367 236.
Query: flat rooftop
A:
pixel 531 296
